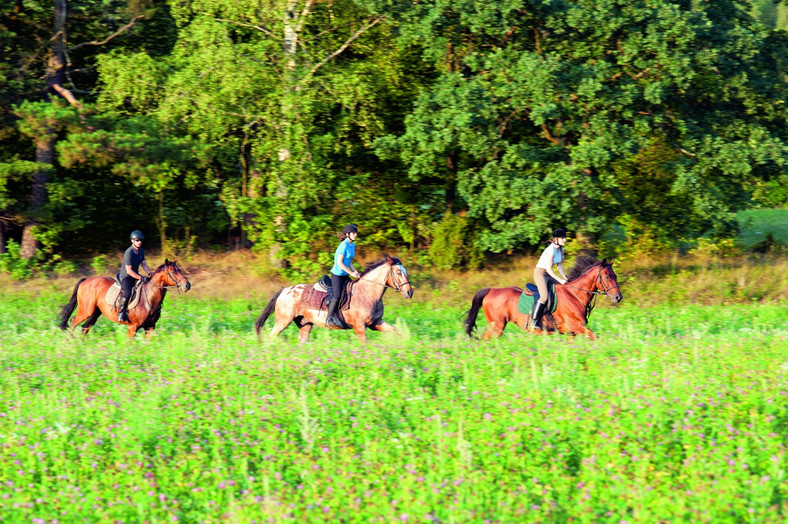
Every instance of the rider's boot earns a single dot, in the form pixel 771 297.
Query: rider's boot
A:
pixel 331 320
pixel 538 312
pixel 123 314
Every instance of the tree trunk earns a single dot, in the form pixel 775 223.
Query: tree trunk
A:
pixel 292 26
pixel 45 147
pixel 2 236
pixel 45 154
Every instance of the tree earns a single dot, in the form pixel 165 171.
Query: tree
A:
pixel 39 122
pixel 555 102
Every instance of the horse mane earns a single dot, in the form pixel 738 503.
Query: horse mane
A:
pixel 582 264
pixel 377 263
pixel 161 267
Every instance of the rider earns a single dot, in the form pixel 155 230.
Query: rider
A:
pixel 552 255
pixel 343 266
pixel 132 258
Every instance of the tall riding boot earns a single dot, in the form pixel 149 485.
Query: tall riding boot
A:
pixel 538 312
pixel 331 319
pixel 123 314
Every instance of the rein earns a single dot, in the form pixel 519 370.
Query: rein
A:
pixel 386 284
pixel 593 292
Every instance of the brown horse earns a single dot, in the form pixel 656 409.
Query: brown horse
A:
pixel 366 304
pixel 89 297
pixel 588 278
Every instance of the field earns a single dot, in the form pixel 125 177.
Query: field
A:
pixel 676 413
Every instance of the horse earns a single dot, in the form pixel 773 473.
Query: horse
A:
pixel 366 304
pixel 576 299
pixel 89 294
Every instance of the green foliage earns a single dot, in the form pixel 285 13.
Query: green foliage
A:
pixel 772 193
pixel 99 264
pixel 223 122
pixel 453 244
pixel 63 268
pixel 547 110
pixel 12 263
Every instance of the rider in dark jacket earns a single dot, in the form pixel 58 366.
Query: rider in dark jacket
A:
pixel 132 258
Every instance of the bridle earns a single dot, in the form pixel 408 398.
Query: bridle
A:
pixel 397 285
pixel 171 275
pixel 593 292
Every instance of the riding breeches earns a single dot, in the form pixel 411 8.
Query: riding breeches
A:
pixel 338 282
pixel 126 285
pixel 540 278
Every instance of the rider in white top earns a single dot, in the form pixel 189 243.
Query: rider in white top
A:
pixel 553 255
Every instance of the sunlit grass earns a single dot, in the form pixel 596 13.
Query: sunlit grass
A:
pixel 676 413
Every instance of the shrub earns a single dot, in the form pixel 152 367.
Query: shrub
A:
pixel 11 262
pixel 453 244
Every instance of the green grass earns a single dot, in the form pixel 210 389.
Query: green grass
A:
pixel 675 414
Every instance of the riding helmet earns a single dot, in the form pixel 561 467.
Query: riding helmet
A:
pixel 559 233
pixel 137 234
pixel 350 228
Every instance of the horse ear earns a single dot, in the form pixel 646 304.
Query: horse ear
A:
pixel 388 258
pixel 166 261
pixel 604 261
pixel 611 262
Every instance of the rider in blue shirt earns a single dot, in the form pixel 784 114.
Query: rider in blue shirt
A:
pixel 342 270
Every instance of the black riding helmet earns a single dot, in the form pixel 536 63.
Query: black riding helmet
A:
pixel 136 234
pixel 559 233
pixel 350 228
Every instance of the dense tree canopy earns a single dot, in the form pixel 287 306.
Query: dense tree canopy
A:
pixel 465 126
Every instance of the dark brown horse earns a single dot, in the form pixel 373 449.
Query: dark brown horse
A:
pixel 88 299
pixel 366 304
pixel 588 278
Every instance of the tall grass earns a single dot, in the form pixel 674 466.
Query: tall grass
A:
pixel 677 413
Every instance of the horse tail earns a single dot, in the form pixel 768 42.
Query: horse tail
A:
pixel 258 325
pixel 471 314
pixel 69 308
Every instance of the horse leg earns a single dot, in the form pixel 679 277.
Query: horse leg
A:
pixel 494 329
pixel 383 327
pixel 92 319
pixel 149 332
pixel 303 333
pixel 279 326
pixel 361 332
pixel 132 330
pixel 82 315
pixel 580 329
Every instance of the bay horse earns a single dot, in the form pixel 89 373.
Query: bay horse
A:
pixel 88 300
pixel 588 278
pixel 366 304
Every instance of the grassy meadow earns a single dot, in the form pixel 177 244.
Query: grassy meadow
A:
pixel 677 413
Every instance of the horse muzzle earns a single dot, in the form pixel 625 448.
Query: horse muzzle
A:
pixel 406 291
pixel 616 298
pixel 187 287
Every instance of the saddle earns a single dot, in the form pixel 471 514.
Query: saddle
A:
pixel 113 294
pixel 318 296
pixel 530 296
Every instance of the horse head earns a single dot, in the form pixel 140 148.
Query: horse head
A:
pixel 397 277
pixel 608 283
pixel 170 275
